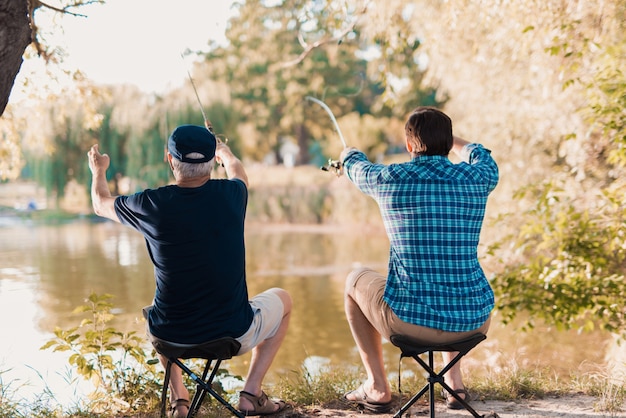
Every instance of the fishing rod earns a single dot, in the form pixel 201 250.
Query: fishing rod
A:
pixel 333 165
pixel 207 122
pixel 332 117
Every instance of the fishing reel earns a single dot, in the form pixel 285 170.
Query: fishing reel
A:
pixel 334 166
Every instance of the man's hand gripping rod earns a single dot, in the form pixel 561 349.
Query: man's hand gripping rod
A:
pixel 333 165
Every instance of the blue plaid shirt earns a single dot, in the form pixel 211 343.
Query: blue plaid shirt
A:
pixel 433 212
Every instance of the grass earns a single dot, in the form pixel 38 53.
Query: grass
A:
pixel 308 392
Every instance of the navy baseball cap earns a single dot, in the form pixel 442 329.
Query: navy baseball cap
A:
pixel 191 138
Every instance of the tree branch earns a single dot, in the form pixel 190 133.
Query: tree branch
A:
pixel 309 48
pixel 36 4
pixel 66 9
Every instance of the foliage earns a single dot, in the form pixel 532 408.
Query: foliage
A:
pixel 280 53
pixel 114 361
pixel 8 406
pixel 570 264
pixel 20 20
pixel 566 261
pixel 55 147
pixel 11 160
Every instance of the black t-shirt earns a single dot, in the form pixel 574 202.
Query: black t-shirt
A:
pixel 195 239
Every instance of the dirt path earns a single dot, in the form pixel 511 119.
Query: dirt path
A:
pixel 570 406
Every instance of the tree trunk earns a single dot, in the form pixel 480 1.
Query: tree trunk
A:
pixel 15 36
pixel 304 157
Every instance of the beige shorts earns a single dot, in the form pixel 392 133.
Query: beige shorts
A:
pixel 268 311
pixel 367 288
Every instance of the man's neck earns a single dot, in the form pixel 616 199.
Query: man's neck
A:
pixel 193 182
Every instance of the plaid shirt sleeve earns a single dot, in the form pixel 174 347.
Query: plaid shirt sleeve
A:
pixel 433 212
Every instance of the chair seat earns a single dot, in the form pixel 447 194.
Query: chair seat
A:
pixel 221 348
pixel 412 347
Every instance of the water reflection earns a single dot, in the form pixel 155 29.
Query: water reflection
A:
pixel 46 271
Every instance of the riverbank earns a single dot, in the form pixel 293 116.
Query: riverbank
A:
pixel 561 406
pixel 564 406
pixel 277 195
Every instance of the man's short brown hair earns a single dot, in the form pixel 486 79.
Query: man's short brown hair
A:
pixel 430 131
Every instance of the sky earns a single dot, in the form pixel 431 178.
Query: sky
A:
pixel 135 41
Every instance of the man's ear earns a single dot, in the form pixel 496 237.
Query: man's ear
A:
pixel 409 145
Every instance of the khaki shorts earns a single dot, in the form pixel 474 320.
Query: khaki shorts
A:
pixel 268 311
pixel 367 288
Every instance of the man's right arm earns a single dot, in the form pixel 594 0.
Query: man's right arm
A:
pixel 102 201
pixel 232 165
pixel 458 144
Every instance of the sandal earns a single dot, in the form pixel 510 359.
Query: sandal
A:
pixel 262 405
pixel 362 401
pixel 174 405
pixel 452 402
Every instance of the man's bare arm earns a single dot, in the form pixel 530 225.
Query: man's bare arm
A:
pixel 458 144
pixel 232 165
pixel 101 199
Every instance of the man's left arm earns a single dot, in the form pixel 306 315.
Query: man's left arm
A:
pixel 233 166
pixel 481 159
pixel 102 201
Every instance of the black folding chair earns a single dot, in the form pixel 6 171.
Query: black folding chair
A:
pixel 413 348
pixel 214 352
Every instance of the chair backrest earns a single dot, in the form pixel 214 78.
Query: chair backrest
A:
pixel 221 348
pixel 412 347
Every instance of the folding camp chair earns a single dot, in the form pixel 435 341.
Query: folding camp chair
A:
pixel 214 352
pixel 412 348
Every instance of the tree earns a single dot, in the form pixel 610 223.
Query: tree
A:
pixel 571 249
pixel 18 30
pixel 281 53
pixel 15 36
pixel 55 146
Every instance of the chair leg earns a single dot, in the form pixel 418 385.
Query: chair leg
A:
pixel 200 392
pixel 433 378
pixel 463 401
pixel 451 391
pixel 410 403
pixel 205 387
pixel 166 384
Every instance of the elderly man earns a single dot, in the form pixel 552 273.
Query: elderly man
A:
pixel 194 232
